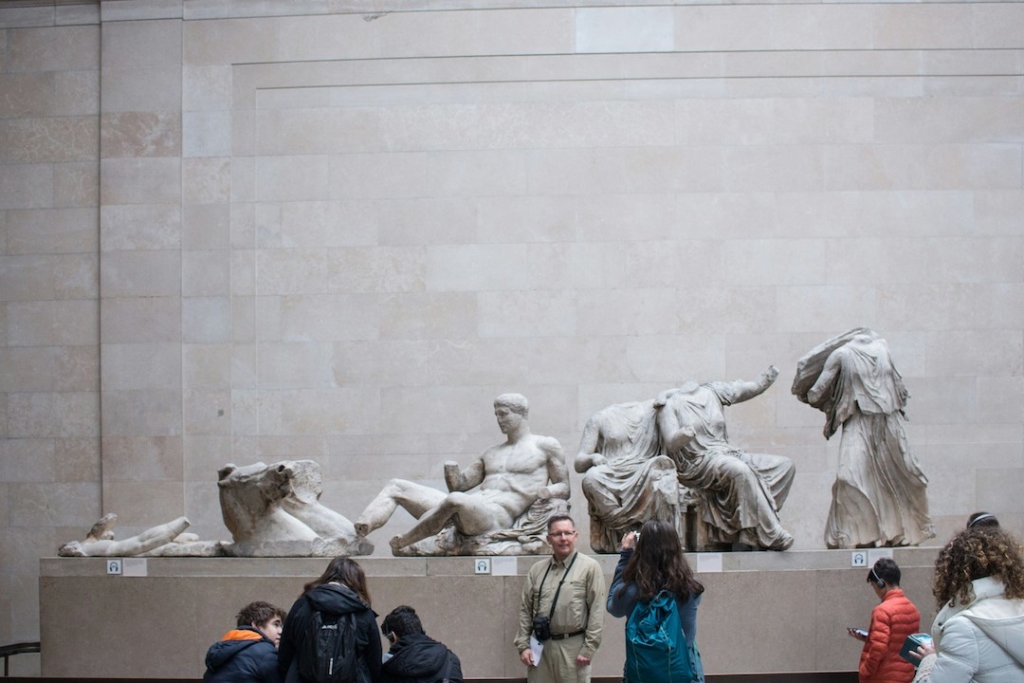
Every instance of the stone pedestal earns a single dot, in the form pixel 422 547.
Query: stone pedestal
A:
pixel 762 612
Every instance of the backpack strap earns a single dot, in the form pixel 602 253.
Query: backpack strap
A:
pixel 448 668
pixel 558 590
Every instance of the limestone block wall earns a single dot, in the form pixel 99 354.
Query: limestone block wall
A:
pixel 336 230
pixel 49 298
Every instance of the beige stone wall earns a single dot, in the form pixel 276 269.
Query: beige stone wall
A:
pixel 49 288
pixel 242 231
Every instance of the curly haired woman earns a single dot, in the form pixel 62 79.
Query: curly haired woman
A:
pixel 979 630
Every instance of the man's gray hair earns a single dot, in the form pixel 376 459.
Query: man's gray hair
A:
pixel 555 519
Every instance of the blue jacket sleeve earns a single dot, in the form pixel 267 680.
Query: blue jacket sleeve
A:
pixel 688 615
pixel 621 596
pixel 268 672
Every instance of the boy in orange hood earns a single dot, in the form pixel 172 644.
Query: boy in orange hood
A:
pixel 248 653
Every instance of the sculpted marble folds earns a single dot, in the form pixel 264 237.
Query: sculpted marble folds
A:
pixel 626 478
pixel 880 493
pixel 742 492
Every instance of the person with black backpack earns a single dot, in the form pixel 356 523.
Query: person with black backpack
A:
pixel 656 590
pixel 330 634
pixel 414 656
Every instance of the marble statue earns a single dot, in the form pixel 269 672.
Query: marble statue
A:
pixel 741 492
pixel 100 542
pixel 626 478
pixel 879 497
pixel 271 511
pixel 275 511
pixel 497 506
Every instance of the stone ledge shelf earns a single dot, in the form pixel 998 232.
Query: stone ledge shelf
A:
pixel 789 611
pixel 310 567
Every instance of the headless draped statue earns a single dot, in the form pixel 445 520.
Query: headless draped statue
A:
pixel 742 492
pixel 626 478
pixel 879 497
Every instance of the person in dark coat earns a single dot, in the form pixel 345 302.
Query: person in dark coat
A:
pixel 415 657
pixel 340 590
pixel 248 653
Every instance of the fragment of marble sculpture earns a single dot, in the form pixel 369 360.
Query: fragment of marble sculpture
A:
pixel 498 505
pixel 626 478
pixel 100 542
pixel 275 511
pixel 880 496
pixel 741 492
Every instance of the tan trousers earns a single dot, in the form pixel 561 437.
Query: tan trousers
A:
pixel 558 663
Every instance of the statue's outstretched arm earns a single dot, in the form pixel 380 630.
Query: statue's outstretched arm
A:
pixel 744 391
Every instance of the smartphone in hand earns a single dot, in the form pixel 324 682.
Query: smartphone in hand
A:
pixel 859 632
pixel 914 641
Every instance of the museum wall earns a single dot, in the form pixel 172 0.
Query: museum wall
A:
pixel 760 612
pixel 240 232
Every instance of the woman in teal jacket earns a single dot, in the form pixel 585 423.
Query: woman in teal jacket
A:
pixel 651 561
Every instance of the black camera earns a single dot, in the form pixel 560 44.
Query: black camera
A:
pixel 542 628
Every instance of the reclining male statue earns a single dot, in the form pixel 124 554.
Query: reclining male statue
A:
pixel 100 542
pixel 496 506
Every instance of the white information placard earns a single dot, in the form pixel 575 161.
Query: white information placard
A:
pixel 135 566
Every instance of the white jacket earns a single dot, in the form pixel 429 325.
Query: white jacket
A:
pixel 981 642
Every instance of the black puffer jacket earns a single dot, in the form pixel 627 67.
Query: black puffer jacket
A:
pixel 420 659
pixel 331 598
pixel 244 655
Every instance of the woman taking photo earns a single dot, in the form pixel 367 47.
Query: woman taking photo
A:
pixel 651 561
pixel 339 596
pixel 978 634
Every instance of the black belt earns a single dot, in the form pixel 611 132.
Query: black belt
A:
pixel 562 636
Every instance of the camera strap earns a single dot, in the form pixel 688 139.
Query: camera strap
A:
pixel 558 590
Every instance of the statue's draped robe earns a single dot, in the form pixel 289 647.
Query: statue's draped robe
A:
pixel 743 491
pixel 636 483
pixel 879 496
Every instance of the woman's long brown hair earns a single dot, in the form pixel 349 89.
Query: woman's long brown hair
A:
pixel 658 564
pixel 346 572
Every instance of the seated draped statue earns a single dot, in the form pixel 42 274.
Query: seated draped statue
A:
pixel 626 479
pixel 742 492
pixel 498 505
pixel 879 497
pixel 275 511
pixel 100 542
